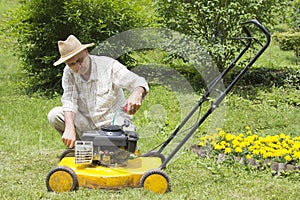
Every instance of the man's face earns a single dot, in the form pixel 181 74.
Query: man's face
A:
pixel 79 63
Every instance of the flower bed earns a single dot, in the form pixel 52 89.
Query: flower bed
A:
pixel 280 151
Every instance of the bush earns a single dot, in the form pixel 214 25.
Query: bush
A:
pixel 293 16
pixel 286 76
pixel 289 41
pixel 39 24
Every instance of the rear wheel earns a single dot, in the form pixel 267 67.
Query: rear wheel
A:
pixel 61 179
pixel 156 181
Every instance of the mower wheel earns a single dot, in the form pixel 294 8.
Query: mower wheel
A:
pixel 154 154
pixel 61 179
pixel 67 153
pixel 156 181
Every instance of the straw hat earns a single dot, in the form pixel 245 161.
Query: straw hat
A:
pixel 69 48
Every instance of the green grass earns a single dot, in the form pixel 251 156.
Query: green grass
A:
pixel 29 148
pixel 273 57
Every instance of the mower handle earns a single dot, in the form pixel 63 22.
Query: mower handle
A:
pixel 212 87
pixel 262 28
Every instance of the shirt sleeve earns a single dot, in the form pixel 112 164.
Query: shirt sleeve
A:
pixel 125 78
pixel 70 94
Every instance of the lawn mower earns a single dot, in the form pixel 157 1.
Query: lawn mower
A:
pixel 108 158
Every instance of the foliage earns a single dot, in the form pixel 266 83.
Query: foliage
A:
pixel 289 41
pixel 267 77
pixel 39 24
pixel 216 22
pixel 293 16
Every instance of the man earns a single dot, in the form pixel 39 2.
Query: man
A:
pixel 93 91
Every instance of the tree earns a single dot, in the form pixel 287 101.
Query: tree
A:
pixel 39 24
pixel 294 15
pixel 216 22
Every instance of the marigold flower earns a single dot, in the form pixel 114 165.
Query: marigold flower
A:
pixel 222 134
pixel 228 137
pixel 218 147
pixel 296 145
pixel 296 155
pixel 255 152
pixel 227 150
pixel 201 144
pixel 282 135
pixel 238 150
pixel 288 158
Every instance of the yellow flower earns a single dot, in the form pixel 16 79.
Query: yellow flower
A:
pixel 296 138
pixel 282 136
pixel 248 156
pixel 296 155
pixel 227 150
pixel 267 155
pixel 235 143
pixel 255 152
pixel 218 129
pixel 296 145
pixel 203 138
pixel 244 144
pixel 224 144
pixel 218 147
pixel 238 150
pixel 228 137
pixel 288 158
pixel 222 134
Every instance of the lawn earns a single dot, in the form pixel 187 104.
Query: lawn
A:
pixel 29 148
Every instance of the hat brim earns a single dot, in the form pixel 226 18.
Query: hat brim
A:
pixel 64 59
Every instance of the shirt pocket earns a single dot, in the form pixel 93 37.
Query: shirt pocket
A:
pixel 105 98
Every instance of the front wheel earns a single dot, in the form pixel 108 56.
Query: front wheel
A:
pixel 61 179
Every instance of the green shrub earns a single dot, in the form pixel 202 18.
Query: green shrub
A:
pixel 267 77
pixel 293 16
pixel 289 41
pixel 39 24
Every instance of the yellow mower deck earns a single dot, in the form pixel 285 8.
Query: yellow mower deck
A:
pixel 68 175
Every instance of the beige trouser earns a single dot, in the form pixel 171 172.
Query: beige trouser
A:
pixel 57 121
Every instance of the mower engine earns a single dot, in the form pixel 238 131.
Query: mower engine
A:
pixel 111 146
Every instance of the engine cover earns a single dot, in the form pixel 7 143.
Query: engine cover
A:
pixel 111 145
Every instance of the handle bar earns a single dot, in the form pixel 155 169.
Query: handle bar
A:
pixel 212 86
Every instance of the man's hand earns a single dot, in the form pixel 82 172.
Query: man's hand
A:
pixel 69 136
pixel 134 101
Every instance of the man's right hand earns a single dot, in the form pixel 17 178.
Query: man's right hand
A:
pixel 69 138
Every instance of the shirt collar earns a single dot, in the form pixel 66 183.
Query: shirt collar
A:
pixel 93 71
